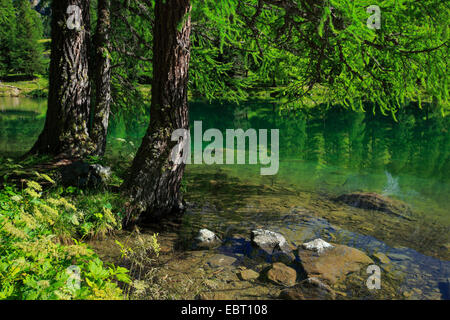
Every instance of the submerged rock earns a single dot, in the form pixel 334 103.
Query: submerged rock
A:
pixel 317 245
pixel 248 274
pixel 213 296
pixel 334 264
pixel 374 201
pixel 84 175
pixel 382 258
pixel 282 274
pixel 207 239
pixel 221 260
pixel 272 245
pixel 309 289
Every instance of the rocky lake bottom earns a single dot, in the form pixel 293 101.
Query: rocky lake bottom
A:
pixel 411 252
pixel 347 178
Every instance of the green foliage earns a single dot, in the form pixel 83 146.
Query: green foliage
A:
pixel 140 252
pixel 7 35
pixel 220 66
pixel 307 52
pixel 98 218
pixel 131 53
pixel 27 56
pixel 327 46
pixel 34 262
pixel 35 88
pixel 92 215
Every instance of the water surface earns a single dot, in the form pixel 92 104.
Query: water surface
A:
pixel 323 153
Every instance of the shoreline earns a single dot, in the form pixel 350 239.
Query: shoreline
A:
pixel 36 88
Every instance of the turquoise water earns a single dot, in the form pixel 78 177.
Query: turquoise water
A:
pixel 331 151
pixel 322 153
pixel 334 151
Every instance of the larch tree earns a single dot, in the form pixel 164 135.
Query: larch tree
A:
pixel 65 131
pixel 154 181
pixel 349 52
pixel 75 125
pixel 102 77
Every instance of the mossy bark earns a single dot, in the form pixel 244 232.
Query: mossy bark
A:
pixel 66 126
pixel 102 75
pixel 154 180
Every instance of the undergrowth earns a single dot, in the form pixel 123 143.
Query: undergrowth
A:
pixel 40 257
pixel 140 254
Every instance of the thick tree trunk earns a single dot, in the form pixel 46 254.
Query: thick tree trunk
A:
pixel 102 74
pixel 154 181
pixel 66 126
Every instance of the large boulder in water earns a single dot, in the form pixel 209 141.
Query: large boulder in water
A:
pixel 377 202
pixel 84 175
pixel 333 264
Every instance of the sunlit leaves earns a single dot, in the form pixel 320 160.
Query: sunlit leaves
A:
pixel 299 46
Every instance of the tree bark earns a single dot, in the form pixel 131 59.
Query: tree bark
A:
pixel 66 126
pixel 102 75
pixel 154 180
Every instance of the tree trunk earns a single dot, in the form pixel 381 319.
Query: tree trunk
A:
pixel 66 126
pixel 154 181
pixel 102 75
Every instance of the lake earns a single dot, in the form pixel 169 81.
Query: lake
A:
pixel 323 153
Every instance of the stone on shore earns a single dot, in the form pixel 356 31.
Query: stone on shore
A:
pixel 84 175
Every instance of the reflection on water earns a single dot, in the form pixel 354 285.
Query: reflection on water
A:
pixel 330 151
pixel 392 187
pixel 21 121
pixel 323 152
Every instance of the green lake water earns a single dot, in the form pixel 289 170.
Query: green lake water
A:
pixel 333 152
pixel 322 154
